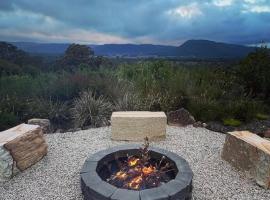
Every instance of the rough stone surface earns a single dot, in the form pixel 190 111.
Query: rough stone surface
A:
pixel 57 176
pixel 22 146
pixel 180 117
pixel 137 125
pixel 6 163
pixel 248 152
pixel 180 188
pixel 43 123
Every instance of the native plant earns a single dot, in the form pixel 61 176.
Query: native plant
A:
pixel 91 110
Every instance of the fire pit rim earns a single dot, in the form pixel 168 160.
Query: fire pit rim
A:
pixel 92 182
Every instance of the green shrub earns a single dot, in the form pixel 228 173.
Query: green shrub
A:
pixel 90 110
pixel 244 109
pixel 7 120
pixel 128 102
pixel 262 116
pixel 56 111
pixel 231 122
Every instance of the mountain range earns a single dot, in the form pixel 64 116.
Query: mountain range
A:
pixel 202 49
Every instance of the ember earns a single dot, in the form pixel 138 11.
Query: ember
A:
pixel 141 172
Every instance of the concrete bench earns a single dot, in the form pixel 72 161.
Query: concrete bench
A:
pixel 249 152
pixel 20 148
pixel 136 125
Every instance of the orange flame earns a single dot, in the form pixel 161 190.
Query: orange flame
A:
pixel 132 162
pixel 135 183
pixel 121 175
pixel 148 170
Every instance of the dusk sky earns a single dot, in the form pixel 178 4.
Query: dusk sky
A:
pixel 135 21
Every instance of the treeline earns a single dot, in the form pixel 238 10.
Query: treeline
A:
pixel 80 89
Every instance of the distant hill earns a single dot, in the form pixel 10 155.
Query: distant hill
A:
pixel 133 50
pixel 201 49
pixel 211 49
pixel 41 48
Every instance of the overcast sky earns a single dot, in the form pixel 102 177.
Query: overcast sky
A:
pixel 135 21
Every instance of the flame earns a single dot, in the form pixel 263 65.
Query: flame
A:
pixel 140 172
pixel 135 183
pixel 133 161
pixel 148 170
pixel 121 175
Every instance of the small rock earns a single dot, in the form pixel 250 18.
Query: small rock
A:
pixel 43 123
pixel 180 117
pixel 199 124
pixel 59 131
pixel 266 133
pixel 74 129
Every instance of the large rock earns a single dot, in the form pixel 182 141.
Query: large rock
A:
pixel 43 123
pixel 180 117
pixel 137 125
pixel 249 152
pixel 6 163
pixel 20 148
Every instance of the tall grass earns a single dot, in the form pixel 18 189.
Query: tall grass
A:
pixel 208 93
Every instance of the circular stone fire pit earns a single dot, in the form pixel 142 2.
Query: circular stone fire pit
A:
pixel 99 166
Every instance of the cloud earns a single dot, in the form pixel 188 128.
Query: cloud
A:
pixel 140 21
pixel 223 3
pixel 260 9
pixel 187 11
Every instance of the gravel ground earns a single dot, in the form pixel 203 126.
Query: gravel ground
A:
pixel 57 175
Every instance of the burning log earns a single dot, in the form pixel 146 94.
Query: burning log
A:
pixel 140 172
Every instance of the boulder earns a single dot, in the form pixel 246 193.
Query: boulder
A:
pixel 180 117
pixel 43 123
pixel 136 125
pixel 249 152
pixel 20 148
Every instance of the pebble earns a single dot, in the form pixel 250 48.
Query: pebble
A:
pixel 57 175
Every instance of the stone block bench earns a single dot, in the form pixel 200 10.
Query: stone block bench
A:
pixel 20 148
pixel 136 125
pixel 249 152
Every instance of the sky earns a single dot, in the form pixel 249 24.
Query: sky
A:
pixel 169 22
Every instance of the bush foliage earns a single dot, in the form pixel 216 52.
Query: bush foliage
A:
pixel 87 94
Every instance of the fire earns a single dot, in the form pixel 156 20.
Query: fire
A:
pixel 133 161
pixel 135 182
pixel 121 175
pixel 148 170
pixel 140 172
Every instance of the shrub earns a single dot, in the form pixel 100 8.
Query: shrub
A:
pixel 253 73
pixel 231 122
pixel 7 120
pixel 128 102
pixel 90 110
pixel 262 116
pixel 243 109
pixel 56 111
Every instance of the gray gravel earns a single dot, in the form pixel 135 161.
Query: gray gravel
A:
pixel 57 175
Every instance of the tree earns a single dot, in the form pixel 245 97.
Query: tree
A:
pixel 77 54
pixel 254 73
pixel 16 61
pixel 12 54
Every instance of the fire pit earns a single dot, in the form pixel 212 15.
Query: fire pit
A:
pixel 132 172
